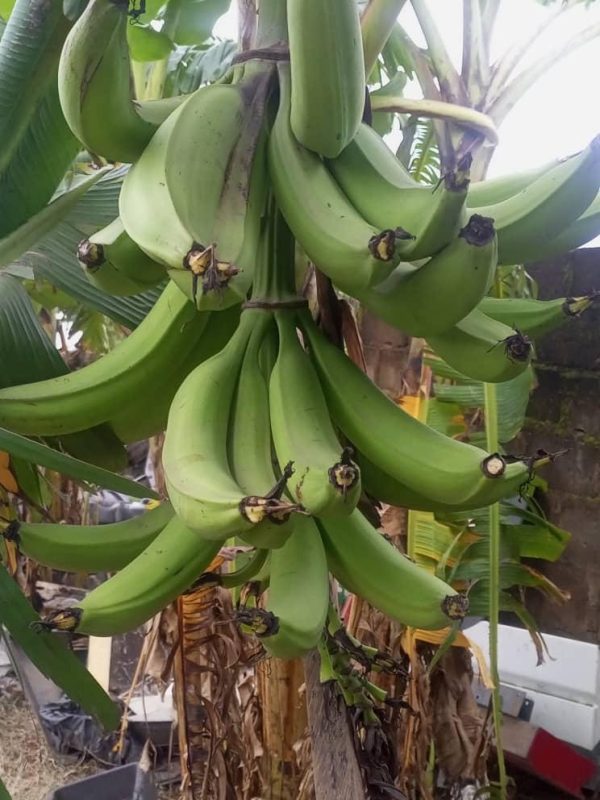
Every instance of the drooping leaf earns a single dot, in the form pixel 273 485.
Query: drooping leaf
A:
pixel 36 145
pixel 38 453
pixel 190 67
pixel 36 227
pixel 53 257
pixel 50 655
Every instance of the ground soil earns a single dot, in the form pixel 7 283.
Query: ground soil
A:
pixel 29 769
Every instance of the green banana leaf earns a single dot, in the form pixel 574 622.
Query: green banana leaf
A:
pixel 37 226
pixel 53 257
pixel 36 143
pixel 190 67
pixel 38 453
pixel 50 655
pixel 512 397
pixel 27 355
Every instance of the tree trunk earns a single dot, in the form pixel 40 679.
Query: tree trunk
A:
pixel 335 768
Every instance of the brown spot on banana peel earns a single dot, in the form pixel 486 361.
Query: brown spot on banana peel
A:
pixel 458 180
pixel 345 474
pixel 256 509
pixel 262 623
pixel 67 619
pixel 575 306
pixel 455 606
pixel 199 258
pixel 382 246
pixel 478 231
pixel 517 347
pixel 90 254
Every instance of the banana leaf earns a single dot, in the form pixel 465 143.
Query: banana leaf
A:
pixel 50 655
pixel 20 240
pixel 27 355
pixel 36 143
pixel 512 396
pixel 53 257
pixel 81 471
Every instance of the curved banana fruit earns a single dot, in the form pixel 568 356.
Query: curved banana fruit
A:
pixel 139 419
pixel 103 389
pixel 386 489
pixel 495 190
pixel 585 228
pixel 249 446
pixel 547 206
pixel 369 566
pixel 204 174
pixel 328 73
pixel 94 80
pixel 326 481
pixel 483 349
pixel 200 485
pixel 157 576
pixel 429 463
pixel 433 297
pixel 89 548
pixel 335 237
pixel 381 190
pixel 298 594
pixel 113 247
pixel 535 317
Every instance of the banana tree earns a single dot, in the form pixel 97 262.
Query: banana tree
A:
pixel 54 201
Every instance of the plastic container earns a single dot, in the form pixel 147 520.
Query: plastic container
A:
pixel 114 784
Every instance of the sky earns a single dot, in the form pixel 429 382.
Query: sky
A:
pixel 560 114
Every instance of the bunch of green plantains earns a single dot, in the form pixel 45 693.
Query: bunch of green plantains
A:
pixel 274 437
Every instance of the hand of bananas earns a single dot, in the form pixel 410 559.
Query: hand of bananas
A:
pixel 272 433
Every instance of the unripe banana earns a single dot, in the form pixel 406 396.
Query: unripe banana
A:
pixel 201 487
pixel 335 237
pixel 431 298
pixel 427 462
pixel 535 317
pixel 249 445
pixel 103 389
pixel 94 80
pixel 495 190
pixel 139 419
pixel 381 190
pixel 585 228
pixel 386 489
pixel 298 594
pixel 113 247
pixel 545 207
pixel 161 572
pixel 328 73
pixel 204 171
pixel 369 566
pixel 89 548
pixel 326 480
pixel 483 349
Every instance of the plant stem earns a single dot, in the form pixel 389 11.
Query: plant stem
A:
pixel 491 429
pixel 272 23
pixel 376 23
pixel 449 80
